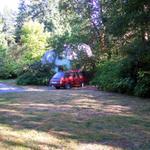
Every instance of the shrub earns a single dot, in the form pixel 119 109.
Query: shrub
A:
pixel 125 85
pixel 7 72
pixel 36 74
pixel 106 76
pixel 110 76
pixel 142 87
pixel 121 76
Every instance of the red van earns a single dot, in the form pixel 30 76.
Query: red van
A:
pixel 68 79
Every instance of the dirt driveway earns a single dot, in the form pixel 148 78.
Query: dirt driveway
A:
pixel 12 87
pixel 84 119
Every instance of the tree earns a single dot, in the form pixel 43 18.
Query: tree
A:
pixel 129 24
pixel 3 50
pixel 33 40
pixel 127 27
pixel 22 17
pixel 40 11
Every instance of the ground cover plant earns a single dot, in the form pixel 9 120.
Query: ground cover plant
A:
pixel 74 119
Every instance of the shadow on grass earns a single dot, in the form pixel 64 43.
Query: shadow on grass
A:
pixel 106 119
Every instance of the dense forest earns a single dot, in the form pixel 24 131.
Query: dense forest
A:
pixel 117 31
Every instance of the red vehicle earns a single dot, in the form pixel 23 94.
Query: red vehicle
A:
pixel 68 79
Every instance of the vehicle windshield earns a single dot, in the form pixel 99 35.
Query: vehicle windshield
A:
pixel 58 75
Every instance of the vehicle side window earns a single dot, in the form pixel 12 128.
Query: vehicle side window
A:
pixel 74 75
pixel 77 75
pixel 71 74
pixel 67 75
pixel 58 75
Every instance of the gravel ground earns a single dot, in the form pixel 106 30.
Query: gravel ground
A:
pixel 8 88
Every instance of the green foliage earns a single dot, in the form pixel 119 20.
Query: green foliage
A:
pixel 127 33
pixel 40 11
pixel 36 74
pixel 84 62
pixel 22 16
pixel 3 51
pixel 8 48
pixel 7 70
pixel 3 72
pixel 107 76
pixel 71 24
pixel 117 76
pixel 34 39
pixel 125 85
pixel 143 84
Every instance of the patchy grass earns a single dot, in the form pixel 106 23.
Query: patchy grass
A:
pixel 74 119
pixel 8 80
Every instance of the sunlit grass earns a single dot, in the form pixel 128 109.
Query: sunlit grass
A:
pixel 73 119
pixel 31 139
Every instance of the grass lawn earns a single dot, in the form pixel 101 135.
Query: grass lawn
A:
pixel 73 119
pixel 8 81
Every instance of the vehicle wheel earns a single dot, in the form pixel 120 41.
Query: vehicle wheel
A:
pixel 68 86
pixel 82 84
pixel 57 87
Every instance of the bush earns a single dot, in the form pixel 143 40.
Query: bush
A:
pixel 110 76
pixel 125 85
pixel 106 76
pixel 118 76
pixel 142 87
pixel 36 74
pixel 6 72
